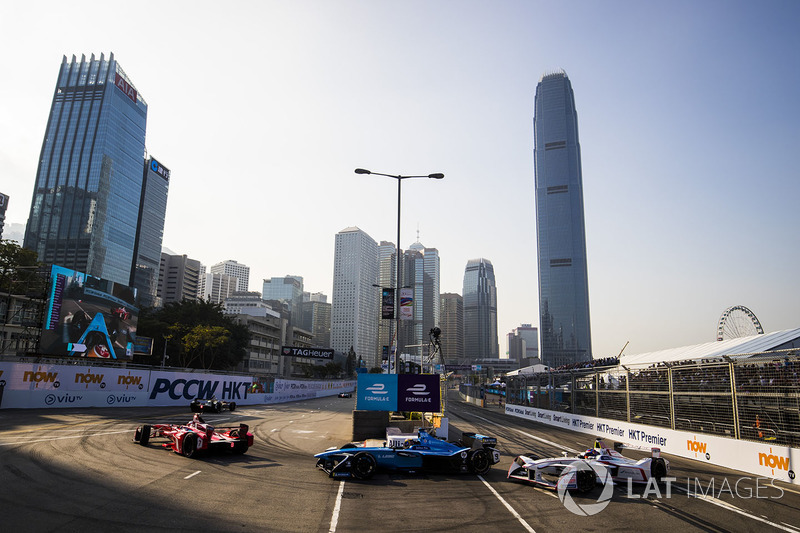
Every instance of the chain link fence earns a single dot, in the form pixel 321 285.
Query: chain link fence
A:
pixel 756 397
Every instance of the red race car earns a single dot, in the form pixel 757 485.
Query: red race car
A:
pixel 196 437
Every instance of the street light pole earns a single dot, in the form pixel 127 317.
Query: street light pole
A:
pixel 398 281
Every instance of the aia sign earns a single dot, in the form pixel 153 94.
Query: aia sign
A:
pixel 125 87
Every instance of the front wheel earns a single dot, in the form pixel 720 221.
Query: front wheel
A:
pixel 364 465
pixel 479 461
pixel 142 435
pixel 232 406
pixel 189 445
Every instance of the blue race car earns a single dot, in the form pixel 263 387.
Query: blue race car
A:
pixel 416 453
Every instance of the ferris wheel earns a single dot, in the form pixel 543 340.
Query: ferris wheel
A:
pixel 738 321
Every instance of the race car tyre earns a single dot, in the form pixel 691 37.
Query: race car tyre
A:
pixel 232 406
pixel 239 448
pixel 479 461
pixel 585 480
pixel 142 435
pixel 364 465
pixel 658 469
pixel 190 445
pixel 218 407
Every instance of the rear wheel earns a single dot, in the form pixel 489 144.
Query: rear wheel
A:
pixel 364 465
pixel 142 435
pixel 190 445
pixel 585 480
pixel 232 406
pixel 479 461
pixel 659 469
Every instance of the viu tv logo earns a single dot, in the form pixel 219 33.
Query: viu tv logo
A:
pixel 418 390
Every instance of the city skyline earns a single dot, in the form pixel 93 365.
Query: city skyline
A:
pixel 688 118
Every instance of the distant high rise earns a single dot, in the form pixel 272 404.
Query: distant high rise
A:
pixel 421 273
pixel 316 318
pixel 531 337
pixel 3 207
pixel 218 287
pixel 354 303
pixel 480 311
pixel 237 270
pixel 452 326
pixel 387 274
pixel 287 289
pixel 87 200
pixel 150 232
pixel 563 278
pixel 178 279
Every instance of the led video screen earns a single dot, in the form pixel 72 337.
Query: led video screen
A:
pixel 89 317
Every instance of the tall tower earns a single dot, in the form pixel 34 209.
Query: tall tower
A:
pixel 561 237
pixel 480 311
pixel 86 201
pixel 150 232
pixel 452 326
pixel 288 289
pixel 421 274
pixel 387 274
pixel 354 305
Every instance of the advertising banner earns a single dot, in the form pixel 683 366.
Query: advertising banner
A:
pixel 387 303
pixel 377 392
pixel 316 353
pixel 418 392
pixel 406 304
pixel 177 388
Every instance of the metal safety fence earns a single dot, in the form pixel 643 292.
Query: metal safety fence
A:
pixel 754 397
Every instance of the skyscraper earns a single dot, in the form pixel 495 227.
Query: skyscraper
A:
pixel 86 203
pixel 354 303
pixel 288 289
pixel 480 311
pixel 150 232
pixel 178 279
pixel 3 207
pixel 561 238
pixel 421 274
pixel 452 326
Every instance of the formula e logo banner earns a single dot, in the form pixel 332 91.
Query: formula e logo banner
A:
pixel 377 392
pixel 418 392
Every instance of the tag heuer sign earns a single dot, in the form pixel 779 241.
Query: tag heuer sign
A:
pixel 319 353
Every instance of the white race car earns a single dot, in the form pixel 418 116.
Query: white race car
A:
pixel 576 473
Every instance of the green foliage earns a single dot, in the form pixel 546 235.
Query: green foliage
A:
pixel 198 335
pixel 20 270
pixel 376 370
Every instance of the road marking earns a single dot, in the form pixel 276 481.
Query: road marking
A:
pixel 337 508
pixel 61 438
pixel 192 475
pixel 508 506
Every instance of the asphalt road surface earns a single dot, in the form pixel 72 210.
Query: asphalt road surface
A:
pixel 78 470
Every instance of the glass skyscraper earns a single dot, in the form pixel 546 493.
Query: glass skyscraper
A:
pixel 561 238
pixel 86 204
pixel 480 311
pixel 150 232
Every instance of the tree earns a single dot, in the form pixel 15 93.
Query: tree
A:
pixel 197 334
pixel 23 284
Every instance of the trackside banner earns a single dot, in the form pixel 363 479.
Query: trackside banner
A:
pixel 759 458
pixel 28 385
pixel 399 392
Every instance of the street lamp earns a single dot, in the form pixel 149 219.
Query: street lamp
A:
pixel 436 176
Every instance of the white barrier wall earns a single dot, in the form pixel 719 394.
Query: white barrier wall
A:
pixel 29 385
pixel 761 459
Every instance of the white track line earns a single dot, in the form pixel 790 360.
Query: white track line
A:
pixel 192 475
pixel 508 506
pixel 337 508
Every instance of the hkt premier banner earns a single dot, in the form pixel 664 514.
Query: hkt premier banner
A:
pixel 761 459
pixel 399 392
pixel 28 385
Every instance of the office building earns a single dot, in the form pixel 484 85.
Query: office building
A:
pixel 452 326
pixel 288 289
pixel 387 276
pixel 480 311
pixel 316 318
pixel 236 270
pixel 3 207
pixel 178 279
pixel 561 238
pixel 150 232
pixel 530 335
pixel 217 287
pixel 420 273
pixel 354 303
pixel 86 205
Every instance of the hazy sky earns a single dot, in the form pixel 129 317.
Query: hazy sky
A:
pixel 689 124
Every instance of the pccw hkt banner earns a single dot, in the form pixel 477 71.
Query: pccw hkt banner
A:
pixel 398 392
